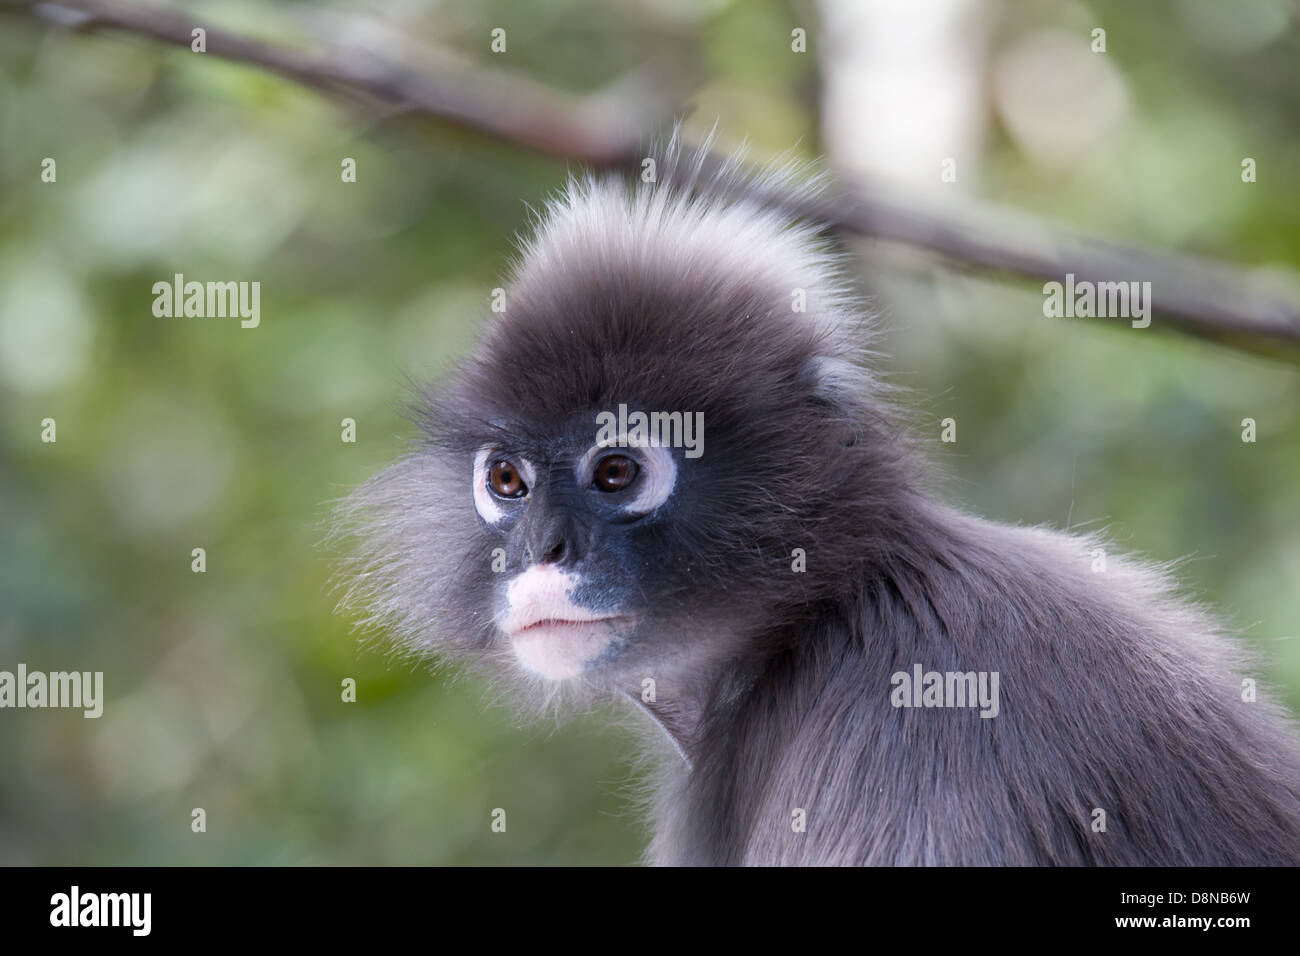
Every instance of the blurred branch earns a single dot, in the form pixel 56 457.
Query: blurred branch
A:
pixel 1209 299
pixel 598 129
pixel 1224 303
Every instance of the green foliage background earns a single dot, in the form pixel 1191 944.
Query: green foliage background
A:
pixel 223 688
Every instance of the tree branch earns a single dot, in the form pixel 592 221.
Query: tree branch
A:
pixel 1206 298
pixel 595 130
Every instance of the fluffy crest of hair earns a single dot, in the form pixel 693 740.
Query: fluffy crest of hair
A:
pixel 699 215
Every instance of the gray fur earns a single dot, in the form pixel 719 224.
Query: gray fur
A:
pixel 775 685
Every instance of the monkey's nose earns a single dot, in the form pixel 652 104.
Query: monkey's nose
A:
pixel 552 553
pixel 551 546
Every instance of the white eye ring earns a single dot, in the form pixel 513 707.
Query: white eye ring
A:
pixel 488 507
pixel 654 482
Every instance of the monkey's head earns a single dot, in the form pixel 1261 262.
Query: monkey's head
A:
pixel 663 447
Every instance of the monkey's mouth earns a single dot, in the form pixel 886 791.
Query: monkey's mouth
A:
pixel 552 634
pixel 551 623
pixel 559 648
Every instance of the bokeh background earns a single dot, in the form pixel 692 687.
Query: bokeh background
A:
pixel 223 688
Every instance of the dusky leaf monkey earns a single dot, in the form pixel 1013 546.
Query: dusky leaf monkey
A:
pixel 778 596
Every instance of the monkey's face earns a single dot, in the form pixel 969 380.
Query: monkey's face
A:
pixel 521 535
pixel 574 523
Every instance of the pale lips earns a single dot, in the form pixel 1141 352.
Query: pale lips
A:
pixel 551 635
pixel 558 650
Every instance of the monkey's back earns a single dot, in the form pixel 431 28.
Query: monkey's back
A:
pixel 1124 733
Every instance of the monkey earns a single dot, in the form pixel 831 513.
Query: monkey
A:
pixel 788 608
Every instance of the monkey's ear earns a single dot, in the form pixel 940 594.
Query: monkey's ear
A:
pixel 835 383
pixel 837 388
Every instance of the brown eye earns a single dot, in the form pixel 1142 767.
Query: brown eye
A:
pixel 505 480
pixel 614 473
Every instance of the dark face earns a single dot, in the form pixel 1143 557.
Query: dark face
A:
pixel 609 540
pixel 527 538
pixel 576 514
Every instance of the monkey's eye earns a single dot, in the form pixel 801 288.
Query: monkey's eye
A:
pixel 614 473
pixel 504 479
